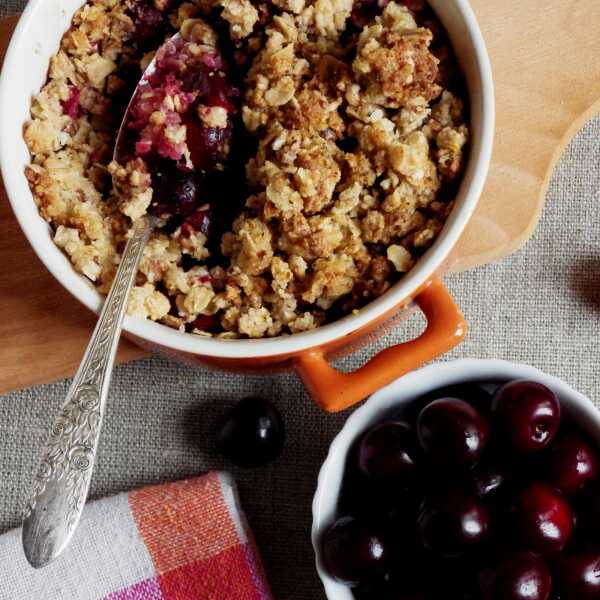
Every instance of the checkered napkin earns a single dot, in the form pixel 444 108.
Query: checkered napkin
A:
pixel 187 540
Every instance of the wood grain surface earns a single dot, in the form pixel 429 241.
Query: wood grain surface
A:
pixel 547 78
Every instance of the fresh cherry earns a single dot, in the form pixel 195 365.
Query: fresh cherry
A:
pixel 251 434
pixel 354 552
pixel 388 452
pixel 454 523
pixel 473 392
pixel 522 576
pixel 578 576
pixel 452 432
pixel 573 463
pixel 527 415
pixel 543 519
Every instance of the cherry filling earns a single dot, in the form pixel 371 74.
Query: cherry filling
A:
pixel 148 21
pixel 181 124
pixel 70 106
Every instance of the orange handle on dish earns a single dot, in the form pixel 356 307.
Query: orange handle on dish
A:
pixel 334 390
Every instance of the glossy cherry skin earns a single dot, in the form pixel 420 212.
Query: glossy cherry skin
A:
pixel 388 453
pixel 521 576
pixel 453 524
pixel 487 479
pixel 527 414
pixel 578 576
pixel 354 552
pixel 452 432
pixel 573 463
pixel 543 519
pixel 474 393
pixel 251 434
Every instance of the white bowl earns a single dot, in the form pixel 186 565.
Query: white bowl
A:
pixel 37 37
pixel 399 394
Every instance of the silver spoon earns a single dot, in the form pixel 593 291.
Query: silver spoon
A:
pixel 62 480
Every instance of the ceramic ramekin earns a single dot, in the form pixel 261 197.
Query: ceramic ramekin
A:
pixel 393 397
pixel 37 37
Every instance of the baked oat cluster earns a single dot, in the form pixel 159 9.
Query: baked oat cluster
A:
pixel 316 165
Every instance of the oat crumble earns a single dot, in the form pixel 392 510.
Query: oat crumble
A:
pixel 323 157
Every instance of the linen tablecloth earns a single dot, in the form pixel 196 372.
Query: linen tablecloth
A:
pixel 540 306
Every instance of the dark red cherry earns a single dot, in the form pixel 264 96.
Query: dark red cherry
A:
pixel 148 23
pixel 452 432
pixel 473 393
pixel 573 463
pixel 454 523
pixel 204 323
pixel 521 576
pixel 207 145
pixel 388 452
pixel 578 576
pixel 175 192
pixel 251 434
pixel 543 519
pixel 527 415
pixel 354 552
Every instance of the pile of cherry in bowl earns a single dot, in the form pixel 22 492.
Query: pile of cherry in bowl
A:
pixel 470 495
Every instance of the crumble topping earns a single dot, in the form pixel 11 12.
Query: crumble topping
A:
pixel 325 147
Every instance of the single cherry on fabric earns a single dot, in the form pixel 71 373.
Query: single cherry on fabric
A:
pixel 521 576
pixel 452 432
pixel 527 415
pixel 251 434
pixel 543 519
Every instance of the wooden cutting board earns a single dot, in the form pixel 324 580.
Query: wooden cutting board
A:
pixel 547 75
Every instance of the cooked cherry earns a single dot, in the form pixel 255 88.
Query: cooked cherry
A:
pixel 573 463
pixel 527 414
pixel 578 576
pixel 522 576
pixel 543 519
pixel 454 523
pixel 200 221
pixel 204 323
pixel 207 145
pixel 70 106
pixel 175 192
pixel 452 432
pixel 354 552
pixel 148 23
pixel 388 452
pixel 251 434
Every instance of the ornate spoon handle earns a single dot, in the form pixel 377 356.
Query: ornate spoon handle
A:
pixel 62 480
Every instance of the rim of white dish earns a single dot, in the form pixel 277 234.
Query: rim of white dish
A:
pixel 424 380
pixel 34 226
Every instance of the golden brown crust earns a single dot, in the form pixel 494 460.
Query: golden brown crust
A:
pixel 355 139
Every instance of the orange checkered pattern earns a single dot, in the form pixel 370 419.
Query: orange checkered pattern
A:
pixel 198 541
